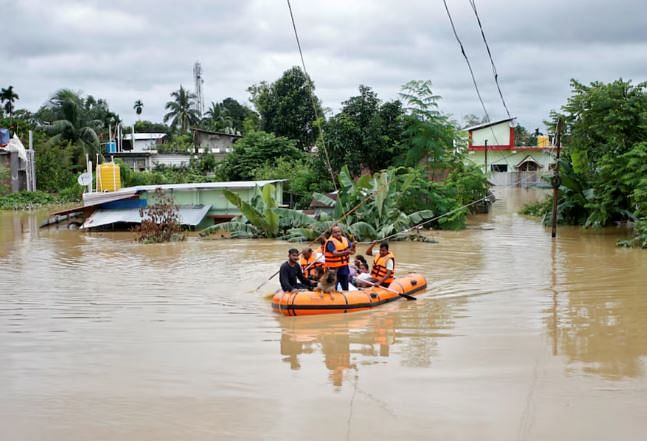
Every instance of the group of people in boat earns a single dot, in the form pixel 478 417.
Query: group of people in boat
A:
pixel 308 269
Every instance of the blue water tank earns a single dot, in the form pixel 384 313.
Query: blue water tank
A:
pixel 111 147
pixel 4 136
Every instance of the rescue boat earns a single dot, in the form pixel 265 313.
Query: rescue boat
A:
pixel 313 302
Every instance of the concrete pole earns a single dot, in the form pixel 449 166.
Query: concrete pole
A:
pixel 486 158
pixel 556 180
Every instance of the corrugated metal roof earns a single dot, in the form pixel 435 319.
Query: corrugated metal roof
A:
pixel 488 124
pixel 97 197
pixel 188 216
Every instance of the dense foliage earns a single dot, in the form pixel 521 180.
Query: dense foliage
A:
pixel 365 135
pixel 403 153
pixel 604 167
pixel 287 107
pixel 228 115
pixel 257 149
pixel 33 200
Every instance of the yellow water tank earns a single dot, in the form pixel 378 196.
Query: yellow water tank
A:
pixel 108 177
pixel 543 141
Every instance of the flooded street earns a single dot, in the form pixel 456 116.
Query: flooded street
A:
pixel 517 338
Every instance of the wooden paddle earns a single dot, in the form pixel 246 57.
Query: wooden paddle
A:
pixel 401 294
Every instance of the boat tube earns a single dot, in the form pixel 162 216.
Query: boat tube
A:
pixel 313 302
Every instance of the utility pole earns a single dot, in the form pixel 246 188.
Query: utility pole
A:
pixel 486 157
pixel 556 181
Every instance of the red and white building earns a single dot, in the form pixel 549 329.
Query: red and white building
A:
pixel 507 163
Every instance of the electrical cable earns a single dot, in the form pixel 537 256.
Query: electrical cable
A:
pixel 487 46
pixel 469 66
pixel 467 60
pixel 312 97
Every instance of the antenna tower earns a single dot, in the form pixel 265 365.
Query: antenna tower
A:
pixel 197 76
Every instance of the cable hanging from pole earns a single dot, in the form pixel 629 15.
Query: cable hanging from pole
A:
pixel 312 97
pixel 487 46
pixel 467 60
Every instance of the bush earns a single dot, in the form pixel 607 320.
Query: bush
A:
pixel 160 221
pixel 27 200
pixel 302 179
pixel 5 176
pixel 537 209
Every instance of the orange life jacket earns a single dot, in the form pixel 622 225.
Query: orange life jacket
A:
pixel 379 267
pixel 309 266
pixel 333 261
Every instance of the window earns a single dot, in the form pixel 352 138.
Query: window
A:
pixel 499 167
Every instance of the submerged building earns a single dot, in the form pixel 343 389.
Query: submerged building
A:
pixel 492 147
pixel 199 205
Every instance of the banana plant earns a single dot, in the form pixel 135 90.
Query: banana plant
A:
pixel 259 217
pixel 374 200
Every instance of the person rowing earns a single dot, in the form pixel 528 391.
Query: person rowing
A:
pixel 311 263
pixel 337 253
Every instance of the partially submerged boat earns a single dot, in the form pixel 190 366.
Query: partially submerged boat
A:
pixel 313 302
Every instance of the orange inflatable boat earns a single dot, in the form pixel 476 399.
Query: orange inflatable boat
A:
pixel 311 303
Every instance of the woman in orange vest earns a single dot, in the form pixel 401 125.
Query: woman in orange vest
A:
pixel 310 263
pixel 383 271
pixel 337 253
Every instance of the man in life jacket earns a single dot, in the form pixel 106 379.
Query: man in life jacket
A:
pixel 337 253
pixel 383 271
pixel 311 263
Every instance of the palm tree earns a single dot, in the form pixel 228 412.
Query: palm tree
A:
pixel 139 106
pixel 218 117
pixel 182 110
pixel 8 96
pixel 72 127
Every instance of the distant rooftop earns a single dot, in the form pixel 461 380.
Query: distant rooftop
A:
pixel 487 124
pixel 142 136
pixel 211 132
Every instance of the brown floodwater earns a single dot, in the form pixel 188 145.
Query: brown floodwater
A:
pixel 517 338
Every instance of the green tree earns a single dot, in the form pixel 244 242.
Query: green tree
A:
pixel 470 120
pixel 138 107
pixel 301 175
pixel 365 134
pixel 144 126
pixel 73 126
pixel 430 136
pixel 181 111
pixel 253 151
pixel 228 114
pixel 522 137
pixel 603 119
pixel 603 167
pixel 286 107
pixel 8 97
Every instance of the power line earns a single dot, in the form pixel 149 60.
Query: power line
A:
pixel 312 96
pixel 494 72
pixel 467 60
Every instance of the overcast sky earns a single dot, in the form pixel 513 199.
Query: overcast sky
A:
pixel 124 50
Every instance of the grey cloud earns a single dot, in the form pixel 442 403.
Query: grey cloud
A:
pixel 124 50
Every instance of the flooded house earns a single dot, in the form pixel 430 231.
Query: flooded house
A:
pixel 199 205
pixel 492 147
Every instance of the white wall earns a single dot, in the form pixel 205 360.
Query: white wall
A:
pixel 498 134
pixel 144 145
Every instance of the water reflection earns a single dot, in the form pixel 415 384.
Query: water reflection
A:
pixel 348 341
pixel 340 338
pixel 598 315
